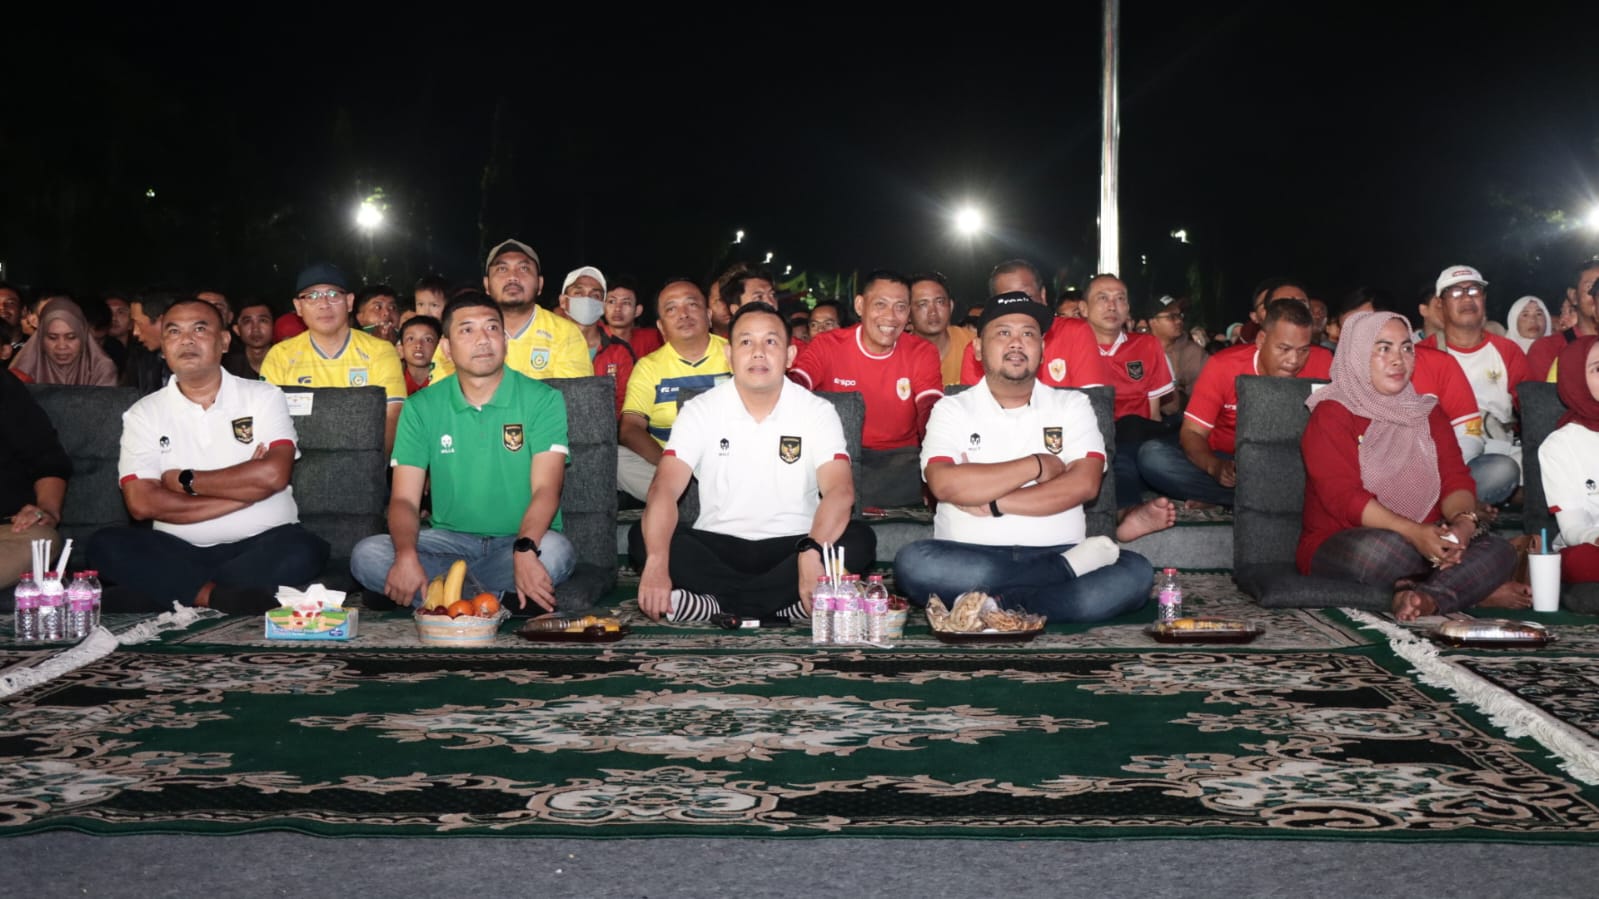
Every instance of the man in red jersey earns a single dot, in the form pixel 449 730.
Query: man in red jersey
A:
pixel 1199 465
pixel 1071 355
pixel 1139 372
pixel 896 373
pixel 1580 294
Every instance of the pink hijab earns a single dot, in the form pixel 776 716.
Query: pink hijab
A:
pixel 91 368
pixel 1398 459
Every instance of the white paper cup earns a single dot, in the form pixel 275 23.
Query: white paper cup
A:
pixel 1545 571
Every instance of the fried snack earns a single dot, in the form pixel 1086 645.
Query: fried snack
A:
pixel 1204 624
pixel 966 616
pixel 937 614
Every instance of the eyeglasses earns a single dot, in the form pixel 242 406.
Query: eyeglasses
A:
pixel 1174 316
pixel 321 297
pixel 1455 293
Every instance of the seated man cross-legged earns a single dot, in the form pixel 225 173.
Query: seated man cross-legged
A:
pixel 774 482
pixel 494 442
pixel 1011 462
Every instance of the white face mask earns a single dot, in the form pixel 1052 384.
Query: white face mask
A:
pixel 585 310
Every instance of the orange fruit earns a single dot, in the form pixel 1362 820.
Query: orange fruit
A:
pixel 486 605
pixel 460 607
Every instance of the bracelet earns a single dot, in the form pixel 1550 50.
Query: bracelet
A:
pixel 993 509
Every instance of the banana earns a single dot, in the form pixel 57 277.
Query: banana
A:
pixel 454 581
pixel 434 598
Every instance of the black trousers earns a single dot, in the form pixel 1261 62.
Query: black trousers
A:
pixel 159 568
pixel 750 578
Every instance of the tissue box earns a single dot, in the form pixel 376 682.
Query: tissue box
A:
pixel 321 624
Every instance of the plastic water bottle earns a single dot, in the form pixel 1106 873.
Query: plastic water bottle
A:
pixel 822 611
pixel 52 608
pixel 1171 596
pixel 876 610
pixel 25 621
pixel 853 604
pixel 80 608
pixel 92 578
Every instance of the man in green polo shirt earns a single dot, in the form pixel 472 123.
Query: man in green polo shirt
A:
pixel 494 442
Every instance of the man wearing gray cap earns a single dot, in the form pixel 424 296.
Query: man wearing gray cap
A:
pixel 539 343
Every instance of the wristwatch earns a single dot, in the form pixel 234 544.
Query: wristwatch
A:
pixel 805 543
pixel 186 481
pixel 526 545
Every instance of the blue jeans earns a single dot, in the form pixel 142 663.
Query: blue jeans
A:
pixel 488 559
pixel 1035 578
pixel 1165 468
pixel 1497 477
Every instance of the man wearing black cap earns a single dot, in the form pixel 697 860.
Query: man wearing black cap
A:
pixel 332 354
pixel 1011 462
pixel 1186 358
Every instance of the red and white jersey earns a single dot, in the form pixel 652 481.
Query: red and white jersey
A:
pixel 1437 373
pixel 1071 357
pixel 1214 405
pixel 1139 370
pixel 1495 367
pixel 899 386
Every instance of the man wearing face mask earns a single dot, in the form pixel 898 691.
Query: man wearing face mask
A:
pixel 583 301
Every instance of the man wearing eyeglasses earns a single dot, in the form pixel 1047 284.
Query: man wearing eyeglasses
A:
pixel 1494 365
pixel 1186 358
pixel 931 309
pixel 329 353
pixel 540 343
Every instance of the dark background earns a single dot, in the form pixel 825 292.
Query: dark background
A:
pixel 1341 143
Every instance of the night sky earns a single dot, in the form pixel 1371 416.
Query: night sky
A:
pixel 1344 144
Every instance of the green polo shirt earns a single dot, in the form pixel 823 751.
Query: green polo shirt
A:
pixel 481 460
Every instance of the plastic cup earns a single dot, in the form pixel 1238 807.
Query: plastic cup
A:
pixel 1544 569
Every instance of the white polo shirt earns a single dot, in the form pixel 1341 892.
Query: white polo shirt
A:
pixel 972 427
pixel 1569 460
pixel 167 430
pixel 757 479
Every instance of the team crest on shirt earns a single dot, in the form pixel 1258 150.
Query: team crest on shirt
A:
pixel 1474 428
pixel 540 359
pixel 166 443
pixel 725 447
pixel 610 369
pixel 976 440
pixel 788 449
pixel 511 436
pixel 1057 369
pixel 244 430
pixel 1053 441
pixel 1493 375
pixel 903 388
pixel 357 377
pixel 1135 369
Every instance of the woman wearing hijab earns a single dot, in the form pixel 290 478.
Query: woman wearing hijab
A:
pixel 1528 320
pixel 62 351
pixel 1388 499
pixel 1570 461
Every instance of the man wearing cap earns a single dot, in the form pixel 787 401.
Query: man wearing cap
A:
pixel 540 343
pixel 329 353
pixel 494 444
pixel 1071 353
pixel 693 361
pixel 1267 292
pixel 583 301
pixel 1140 374
pixel 208 459
pixel 1011 462
pixel 1198 466
pixel 1185 357
pixel 931 310
pixel 1580 294
pixel 897 376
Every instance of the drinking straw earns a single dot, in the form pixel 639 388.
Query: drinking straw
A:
pixel 1543 540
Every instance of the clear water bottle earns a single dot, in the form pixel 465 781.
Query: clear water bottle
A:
pixel 849 612
pixel 25 620
pixel 1170 596
pixel 92 578
pixel 80 608
pixel 52 608
pixel 822 611
pixel 876 609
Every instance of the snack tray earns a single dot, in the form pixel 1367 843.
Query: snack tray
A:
pixel 1204 630
pixel 1491 633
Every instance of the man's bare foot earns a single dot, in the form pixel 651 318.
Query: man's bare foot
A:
pixel 1410 605
pixel 1509 595
pixel 1156 515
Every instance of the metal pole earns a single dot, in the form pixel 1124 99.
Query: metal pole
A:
pixel 1109 211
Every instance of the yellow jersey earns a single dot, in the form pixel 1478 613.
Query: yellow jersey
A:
pixel 654 387
pixel 363 361
pixel 548 346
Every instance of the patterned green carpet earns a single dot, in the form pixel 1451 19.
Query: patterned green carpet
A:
pixel 1319 730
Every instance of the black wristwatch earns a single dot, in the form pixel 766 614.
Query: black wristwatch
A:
pixel 805 543
pixel 993 509
pixel 186 481
pixel 526 545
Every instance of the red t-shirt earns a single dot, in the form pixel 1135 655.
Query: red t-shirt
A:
pixel 1214 404
pixel 616 359
pixel 410 385
pixel 1335 496
pixel 900 388
pixel 1071 357
pixel 644 341
pixel 1439 374
pixel 1139 370
pixel 1544 351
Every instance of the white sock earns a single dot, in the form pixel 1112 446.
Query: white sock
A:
pixel 688 606
pixel 1092 554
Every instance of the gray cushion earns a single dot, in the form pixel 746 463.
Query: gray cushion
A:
pixel 588 495
pixel 339 480
pixel 1541 410
pixel 88 421
pixel 1270 499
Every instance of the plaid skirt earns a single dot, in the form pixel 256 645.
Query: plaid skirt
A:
pixel 1385 559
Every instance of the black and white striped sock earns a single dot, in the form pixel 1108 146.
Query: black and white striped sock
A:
pixel 795 612
pixel 688 606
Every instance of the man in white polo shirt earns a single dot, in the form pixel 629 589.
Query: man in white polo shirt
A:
pixel 774 482
pixel 208 459
pixel 1011 462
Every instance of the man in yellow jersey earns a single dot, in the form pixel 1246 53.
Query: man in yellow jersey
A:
pixel 332 354
pixel 540 344
pixel 694 360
